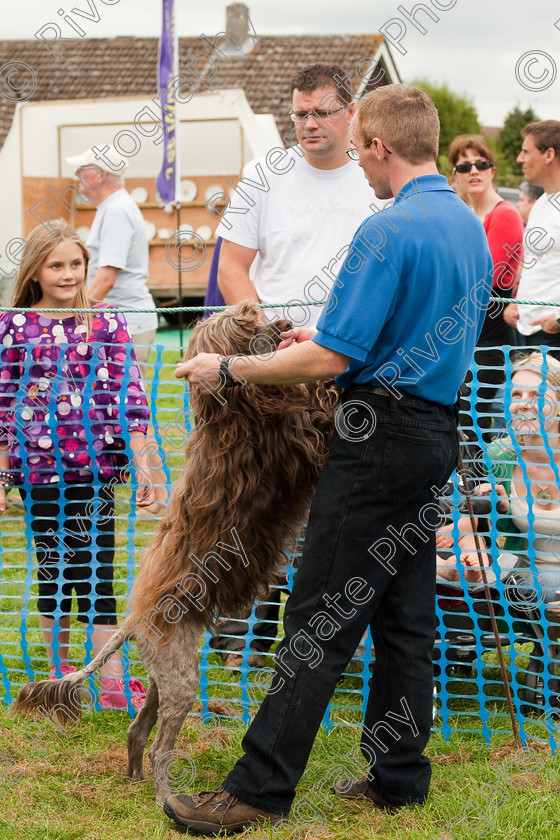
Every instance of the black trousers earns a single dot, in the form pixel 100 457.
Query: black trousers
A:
pixel 490 376
pixel 74 534
pixel 368 559
pixel 541 337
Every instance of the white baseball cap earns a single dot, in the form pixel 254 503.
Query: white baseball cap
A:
pixel 104 157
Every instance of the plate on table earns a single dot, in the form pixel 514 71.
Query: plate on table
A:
pixel 212 190
pixel 188 190
pixel 205 232
pixel 139 194
pixel 150 230
pixel 186 232
pixel 83 232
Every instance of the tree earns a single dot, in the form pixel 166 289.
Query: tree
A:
pixel 457 115
pixel 509 141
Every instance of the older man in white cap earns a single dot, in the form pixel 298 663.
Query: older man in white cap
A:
pixel 118 270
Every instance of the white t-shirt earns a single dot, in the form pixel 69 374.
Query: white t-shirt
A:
pixel 117 238
pixel 301 221
pixel 540 280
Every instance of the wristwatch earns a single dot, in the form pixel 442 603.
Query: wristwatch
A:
pixel 229 381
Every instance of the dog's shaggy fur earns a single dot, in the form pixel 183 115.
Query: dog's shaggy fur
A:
pixel 251 467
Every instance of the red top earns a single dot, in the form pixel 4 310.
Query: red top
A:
pixel 504 230
pixel 504 227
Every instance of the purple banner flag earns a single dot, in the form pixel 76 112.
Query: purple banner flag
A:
pixel 169 176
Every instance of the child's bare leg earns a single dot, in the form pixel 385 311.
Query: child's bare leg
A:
pixel 446 569
pixel 472 568
pixel 445 565
pixel 470 559
pixel 100 636
pixel 470 556
pixel 47 625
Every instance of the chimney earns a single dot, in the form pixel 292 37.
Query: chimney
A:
pixel 237 29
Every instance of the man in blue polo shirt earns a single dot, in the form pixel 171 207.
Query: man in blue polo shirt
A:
pixel 399 330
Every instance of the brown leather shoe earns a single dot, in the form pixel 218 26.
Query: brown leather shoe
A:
pixel 360 789
pixel 234 660
pixel 213 811
pixel 256 660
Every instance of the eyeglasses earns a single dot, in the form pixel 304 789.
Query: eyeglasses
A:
pixel 353 153
pixel 481 165
pixel 298 116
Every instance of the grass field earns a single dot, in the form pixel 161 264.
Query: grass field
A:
pixel 72 786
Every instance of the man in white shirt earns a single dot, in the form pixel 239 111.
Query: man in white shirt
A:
pixel 118 270
pixel 540 278
pixel 294 213
pixel 285 236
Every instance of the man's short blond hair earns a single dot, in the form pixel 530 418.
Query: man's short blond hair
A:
pixel 404 118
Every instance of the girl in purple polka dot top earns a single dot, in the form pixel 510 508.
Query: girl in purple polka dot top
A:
pixel 70 399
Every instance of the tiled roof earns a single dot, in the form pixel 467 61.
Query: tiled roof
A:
pixel 112 67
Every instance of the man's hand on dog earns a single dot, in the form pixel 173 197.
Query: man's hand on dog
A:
pixel 205 366
pixel 296 336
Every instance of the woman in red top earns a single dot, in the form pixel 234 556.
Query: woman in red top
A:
pixel 474 167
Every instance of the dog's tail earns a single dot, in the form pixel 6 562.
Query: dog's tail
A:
pixel 61 700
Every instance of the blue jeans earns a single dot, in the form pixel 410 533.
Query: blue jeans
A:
pixel 368 559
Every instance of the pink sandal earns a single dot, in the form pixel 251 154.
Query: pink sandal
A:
pixel 113 693
pixel 64 669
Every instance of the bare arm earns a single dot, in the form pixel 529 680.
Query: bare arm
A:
pixel 233 273
pixel 5 463
pixel 511 314
pixel 103 282
pixel 548 323
pixel 145 493
pixel 303 362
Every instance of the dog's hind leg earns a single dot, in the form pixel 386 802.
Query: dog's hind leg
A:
pixel 139 730
pixel 175 670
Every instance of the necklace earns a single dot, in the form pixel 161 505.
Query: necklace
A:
pixel 543 494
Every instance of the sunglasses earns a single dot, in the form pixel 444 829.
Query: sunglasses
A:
pixel 481 165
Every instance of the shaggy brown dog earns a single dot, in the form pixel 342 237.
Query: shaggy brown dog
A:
pixel 251 466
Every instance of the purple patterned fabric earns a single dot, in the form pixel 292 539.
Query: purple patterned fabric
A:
pixel 48 373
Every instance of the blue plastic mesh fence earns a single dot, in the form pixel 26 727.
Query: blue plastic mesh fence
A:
pixel 524 570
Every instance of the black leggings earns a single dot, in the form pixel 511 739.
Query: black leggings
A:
pixel 75 550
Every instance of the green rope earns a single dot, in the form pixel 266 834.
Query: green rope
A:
pixel 163 309
pixel 175 309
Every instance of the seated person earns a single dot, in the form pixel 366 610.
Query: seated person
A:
pixel 527 465
pixel 447 567
pixel 446 559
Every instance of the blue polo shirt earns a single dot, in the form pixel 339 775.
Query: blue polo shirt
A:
pixel 409 301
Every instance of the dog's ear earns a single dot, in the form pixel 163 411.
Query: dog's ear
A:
pixel 267 336
pixel 282 325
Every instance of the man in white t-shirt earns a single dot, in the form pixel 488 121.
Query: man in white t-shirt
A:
pixel 118 270
pixel 285 236
pixel 294 213
pixel 540 278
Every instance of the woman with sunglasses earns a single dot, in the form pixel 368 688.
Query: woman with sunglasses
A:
pixel 474 168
